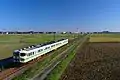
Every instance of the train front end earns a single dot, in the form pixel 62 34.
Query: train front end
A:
pixel 19 56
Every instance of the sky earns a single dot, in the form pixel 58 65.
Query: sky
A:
pixel 60 15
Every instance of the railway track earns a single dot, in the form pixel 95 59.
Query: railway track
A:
pixel 10 73
pixel 45 72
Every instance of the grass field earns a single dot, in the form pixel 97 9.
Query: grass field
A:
pixel 105 38
pixel 8 43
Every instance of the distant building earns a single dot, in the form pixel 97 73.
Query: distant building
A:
pixel 64 32
pixel 50 32
pixel 105 32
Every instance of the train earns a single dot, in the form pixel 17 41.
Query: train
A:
pixel 32 52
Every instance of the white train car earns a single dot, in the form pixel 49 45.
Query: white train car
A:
pixel 27 54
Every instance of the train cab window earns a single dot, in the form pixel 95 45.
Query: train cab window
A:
pixel 22 54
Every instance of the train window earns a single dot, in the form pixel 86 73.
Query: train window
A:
pixel 48 47
pixel 33 53
pixel 40 50
pixel 52 46
pixel 22 54
pixel 45 48
pixel 29 54
pixel 57 44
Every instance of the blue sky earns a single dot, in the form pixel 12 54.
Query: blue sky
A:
pixel 60 15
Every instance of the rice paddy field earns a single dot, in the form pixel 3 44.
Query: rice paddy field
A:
pixel 105 38
pixel 8 43
pixel 98 59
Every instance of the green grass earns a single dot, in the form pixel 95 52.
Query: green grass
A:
pixel 8 43
pixel 59 69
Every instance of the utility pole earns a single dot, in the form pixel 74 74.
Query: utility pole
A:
pixel 78 32
pixel 54 36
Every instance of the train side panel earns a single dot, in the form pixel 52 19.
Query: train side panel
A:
pixel 32 54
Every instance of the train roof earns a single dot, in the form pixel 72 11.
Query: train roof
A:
pixel 31 47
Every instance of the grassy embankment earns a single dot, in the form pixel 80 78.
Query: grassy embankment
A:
pixel 59 69
pixel 31 72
